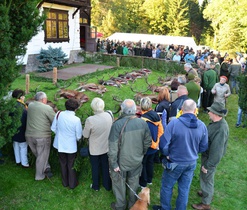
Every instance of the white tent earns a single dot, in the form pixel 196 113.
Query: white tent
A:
pixel 154 39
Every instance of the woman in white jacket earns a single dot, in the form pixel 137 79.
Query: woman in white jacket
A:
pixel 68 130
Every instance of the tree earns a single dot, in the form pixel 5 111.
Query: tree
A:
pixel 229 24
pixel 153 13
pixel 19 22
pixel 196 20
pixel 177 20
pixel 98 13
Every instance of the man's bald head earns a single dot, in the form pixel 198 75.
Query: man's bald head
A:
pixel 189 106
pixel 128 106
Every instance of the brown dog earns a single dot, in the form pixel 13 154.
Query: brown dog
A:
pixel 144 201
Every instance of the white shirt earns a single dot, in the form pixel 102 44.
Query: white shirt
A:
pixel 176 58
pixel 68 130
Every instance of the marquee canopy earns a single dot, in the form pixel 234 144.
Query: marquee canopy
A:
pixel 154 39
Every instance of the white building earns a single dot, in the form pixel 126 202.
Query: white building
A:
pixel 67 26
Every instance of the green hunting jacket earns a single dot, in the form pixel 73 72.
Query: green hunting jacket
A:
pixel 194 90
pixel 209 79
pixel 218 133
pixel 136 139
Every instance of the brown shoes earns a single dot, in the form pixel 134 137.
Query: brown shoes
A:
pixel 201 206
pixel 199 193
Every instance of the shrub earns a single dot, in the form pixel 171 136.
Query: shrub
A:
pixel 50 58
pixel 242 93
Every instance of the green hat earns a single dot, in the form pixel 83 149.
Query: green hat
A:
pixel 191 76
pixel 218 108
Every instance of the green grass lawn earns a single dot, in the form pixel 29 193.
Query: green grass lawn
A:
pixel 19 190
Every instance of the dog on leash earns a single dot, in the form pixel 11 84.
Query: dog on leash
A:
pixel 144 201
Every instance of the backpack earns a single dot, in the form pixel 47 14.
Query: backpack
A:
pixel 155 143
pixel 163 116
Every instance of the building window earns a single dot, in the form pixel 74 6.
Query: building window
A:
pixel 56 26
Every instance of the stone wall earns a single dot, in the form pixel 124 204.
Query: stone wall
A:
pixel 32 63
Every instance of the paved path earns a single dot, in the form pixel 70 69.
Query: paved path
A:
pixel 70 72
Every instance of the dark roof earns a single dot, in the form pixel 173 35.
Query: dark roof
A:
pixel 71 3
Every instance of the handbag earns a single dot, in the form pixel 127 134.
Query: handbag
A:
pixel 84 150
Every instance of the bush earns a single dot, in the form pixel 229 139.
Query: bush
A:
pixel 242 93
pixel 50 58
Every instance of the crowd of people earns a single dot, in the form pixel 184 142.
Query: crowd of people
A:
pixel 172 52
pixel 124 150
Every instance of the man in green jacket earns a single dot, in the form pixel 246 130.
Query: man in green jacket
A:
pixel 208 82
pixel 129 140
pixel 193 88
pixel 218 133
pixel 38 133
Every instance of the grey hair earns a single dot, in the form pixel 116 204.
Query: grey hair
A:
pixel 182 90
pixel 182 79
pixel 128 106
pixel 39 96
pixel 189 106
pixel 97 104
pixel 146 103
pixel 207 66
pixel 188 65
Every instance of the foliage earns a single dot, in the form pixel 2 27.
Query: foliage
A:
pixel 91 57
pixel 9 120
pixel 220 24
pixel 19 22
pixel 196 20
pixel 229 24
pixel 50 58
pixel 154 12
pixel 242 101
pixel 173 17
pixel 177 17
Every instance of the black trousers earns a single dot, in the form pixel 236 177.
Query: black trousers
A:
pixel 68 173
pixel 147 170
pixel 207 99
pixel 100 163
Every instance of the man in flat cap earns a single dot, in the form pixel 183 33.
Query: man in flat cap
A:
pixel 218 132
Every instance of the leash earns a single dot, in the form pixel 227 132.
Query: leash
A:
pixel 129 186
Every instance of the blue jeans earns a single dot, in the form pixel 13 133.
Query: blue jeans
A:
pixel 234 84
pixel 239 120
pixel 181 174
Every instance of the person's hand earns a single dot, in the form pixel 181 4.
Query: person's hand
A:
pixel 204 170
pixel 225 95
pixel 117 169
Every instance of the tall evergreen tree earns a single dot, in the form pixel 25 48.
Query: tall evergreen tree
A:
pixel 154 12
pixel 177 20
pixel 19 22
pixel 196 20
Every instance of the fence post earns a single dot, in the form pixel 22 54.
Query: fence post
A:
pixel 54 75
pixel 27 83
pixel 118 61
